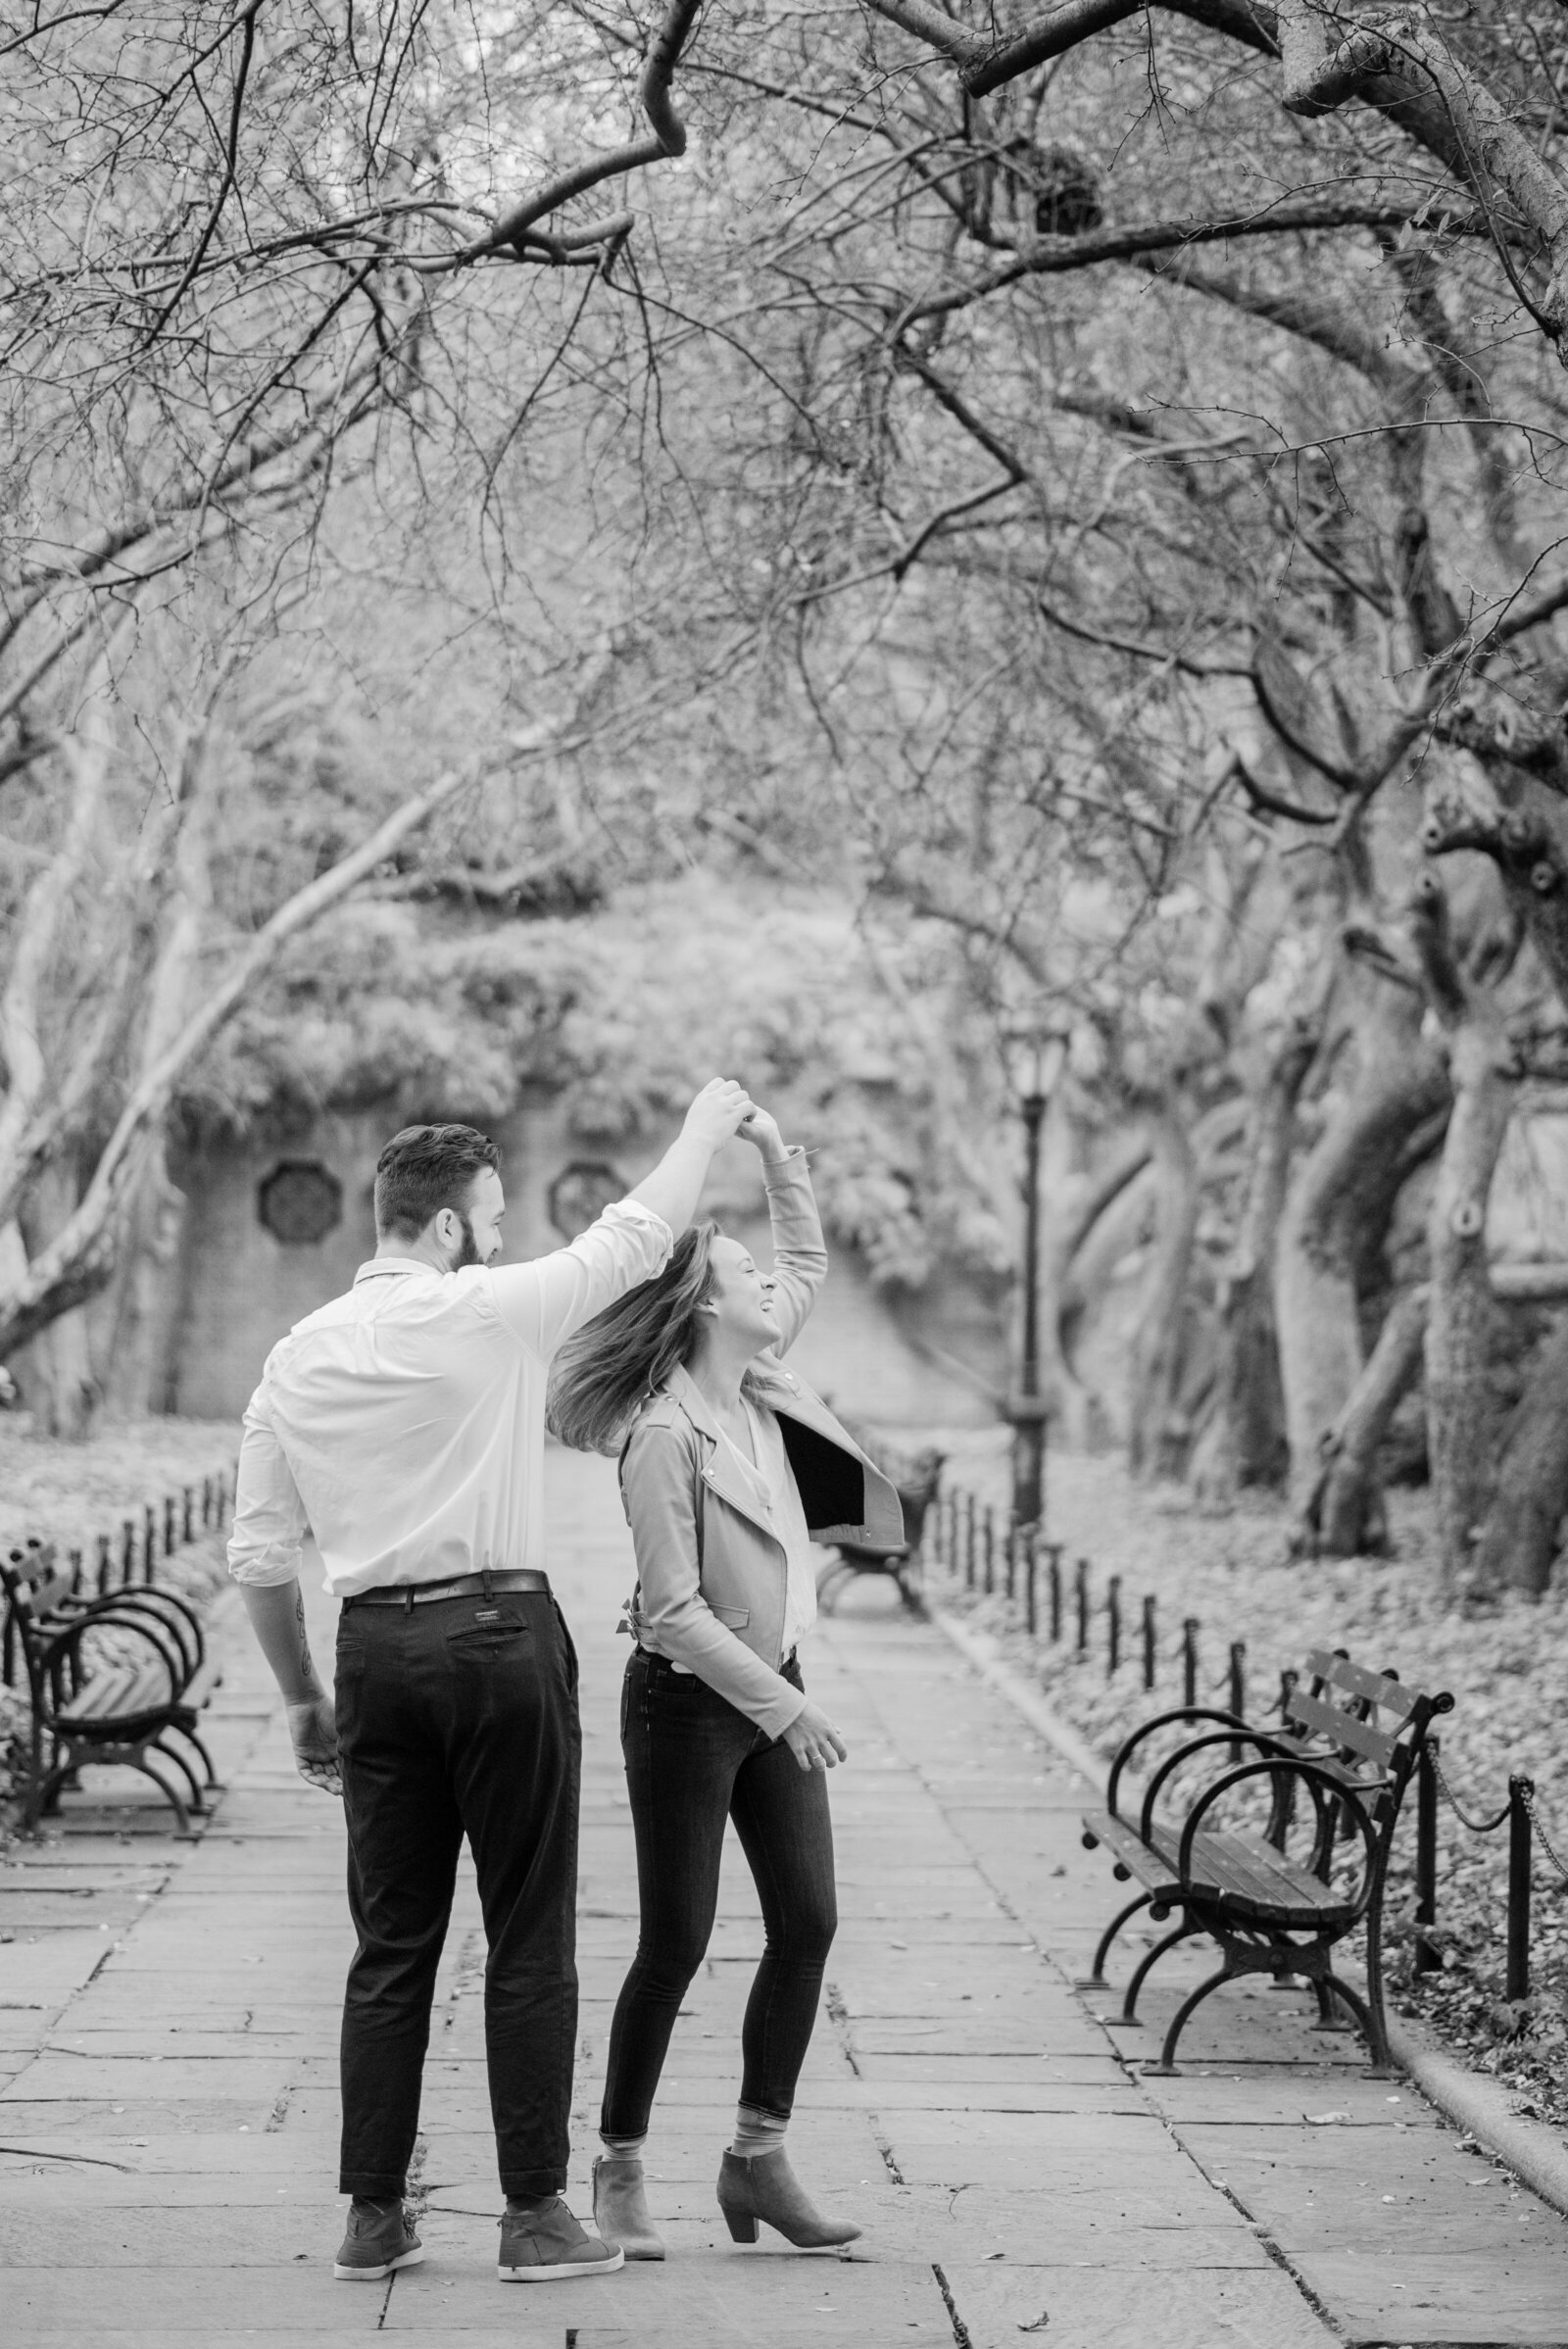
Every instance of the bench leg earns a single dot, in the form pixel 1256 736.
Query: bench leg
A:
pixel 1166 2064
pixel 1368 2022
pixel 171 1753
pixel 1095 1980
pixel 44 1796
pixel 166 1791
pixel 178 1728
pixel 1129 2005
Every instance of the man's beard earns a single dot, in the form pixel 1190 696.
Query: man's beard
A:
pixel 467 1254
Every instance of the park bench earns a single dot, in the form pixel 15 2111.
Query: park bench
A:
pixel 1277 1894
pixel 916 1489
pixel 111 1679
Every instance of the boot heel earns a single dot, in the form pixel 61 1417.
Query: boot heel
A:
pixel 741 2226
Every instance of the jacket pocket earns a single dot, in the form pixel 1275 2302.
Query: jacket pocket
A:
pixel 737 1618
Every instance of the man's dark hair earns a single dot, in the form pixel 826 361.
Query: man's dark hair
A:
pixel 427 1169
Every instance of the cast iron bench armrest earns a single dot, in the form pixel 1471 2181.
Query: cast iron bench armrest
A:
pixel 165 1607
pixel 1238 1734
pixel 1305 1770
pixel 1130 1744
pixel 63 1647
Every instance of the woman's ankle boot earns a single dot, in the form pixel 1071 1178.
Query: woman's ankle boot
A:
pixel 620 2210
pixel 765 2186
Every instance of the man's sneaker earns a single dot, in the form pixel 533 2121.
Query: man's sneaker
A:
pixel 547 2244
pixel 377 2242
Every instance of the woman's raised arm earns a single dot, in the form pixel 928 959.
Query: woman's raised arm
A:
pixel 800 1256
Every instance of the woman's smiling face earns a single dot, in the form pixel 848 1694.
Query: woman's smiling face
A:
pixel 741 1302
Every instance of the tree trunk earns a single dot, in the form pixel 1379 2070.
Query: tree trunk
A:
pixel 1343 1512
pixel 1520 1536
pixel 1244 1442
pixel 1158 1343
pixel 1336 1220
pixel 1462 1402
pixel 1073 1408
pixel 128 1340
pixel 56 1373
pixel 79 1262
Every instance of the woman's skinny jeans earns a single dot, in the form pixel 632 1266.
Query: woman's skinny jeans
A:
pixel 692 1761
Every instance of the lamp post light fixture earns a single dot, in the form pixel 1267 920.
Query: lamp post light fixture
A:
pixel 1036 1056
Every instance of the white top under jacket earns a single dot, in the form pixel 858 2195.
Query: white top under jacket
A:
pixel 403 1424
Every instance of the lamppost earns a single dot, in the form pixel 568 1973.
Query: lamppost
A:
pixel 1036 1055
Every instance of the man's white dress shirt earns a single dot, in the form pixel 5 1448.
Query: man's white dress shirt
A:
pixel 403 1425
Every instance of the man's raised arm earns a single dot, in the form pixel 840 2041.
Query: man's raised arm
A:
pixel 543 1302
pixel 672 1190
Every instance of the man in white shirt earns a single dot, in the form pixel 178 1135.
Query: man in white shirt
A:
pixel 403 1426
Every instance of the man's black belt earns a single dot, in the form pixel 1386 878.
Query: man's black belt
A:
pixel 464 1585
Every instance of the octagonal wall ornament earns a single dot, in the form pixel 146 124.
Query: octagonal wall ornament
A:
pixel 580 1194
pixel 300 1201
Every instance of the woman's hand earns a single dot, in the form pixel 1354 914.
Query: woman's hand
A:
pixel 717 1113
pixel 814 1741
pixel 757 1127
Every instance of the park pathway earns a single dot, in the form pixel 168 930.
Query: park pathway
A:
pixel 168 2116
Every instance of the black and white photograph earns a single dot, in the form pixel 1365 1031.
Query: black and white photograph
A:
pixel 784 1174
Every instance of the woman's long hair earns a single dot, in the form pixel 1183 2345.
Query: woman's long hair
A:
pixel 602 1374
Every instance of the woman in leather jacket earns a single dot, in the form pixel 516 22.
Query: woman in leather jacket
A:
pixel 730 1468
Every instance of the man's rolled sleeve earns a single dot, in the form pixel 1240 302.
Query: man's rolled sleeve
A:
pixel 270 1520
pixel 544 1301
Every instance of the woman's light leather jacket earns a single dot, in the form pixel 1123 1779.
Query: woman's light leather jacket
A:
pixel 711 1573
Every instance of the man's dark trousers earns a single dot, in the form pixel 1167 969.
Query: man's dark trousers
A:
pixel 460 1717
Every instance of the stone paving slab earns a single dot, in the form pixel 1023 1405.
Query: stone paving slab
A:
pixel 175 2075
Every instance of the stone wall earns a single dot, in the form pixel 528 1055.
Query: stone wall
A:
pixel 236 1288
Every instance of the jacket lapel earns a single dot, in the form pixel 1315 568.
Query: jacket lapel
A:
pixel 717 1472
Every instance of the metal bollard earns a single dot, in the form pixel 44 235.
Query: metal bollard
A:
pixel 990 1529
pixel 968 1542
pixel 1150 1652
pixel 1081 1583
pixel 1427 1958
pixel 104 1546
pixel 1031 1587
pixel 1190 1630
pixel 1236 1696
pixel 170 1511
pixel 1520 1790
pixel 1010 1553
pixel 1054 1567
pixel 149 1543
pixel 128 1550
pixel 74 1556
pixel 207 1502
pixel 1112 1625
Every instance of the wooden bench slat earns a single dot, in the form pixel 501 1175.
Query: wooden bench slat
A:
pixel 199 1687
pixel 1223 1862
pixel 1342 1729
pixel 1356 1680
pixel 125 1695
pixel 99 1695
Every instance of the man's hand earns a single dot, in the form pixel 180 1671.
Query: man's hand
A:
pixel 716 1113
pixel 675 1185
pixel 814 1741
pixel 312 1728
pixel 759 1128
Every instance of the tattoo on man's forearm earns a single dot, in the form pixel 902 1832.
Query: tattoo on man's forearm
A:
pixel 306 1668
